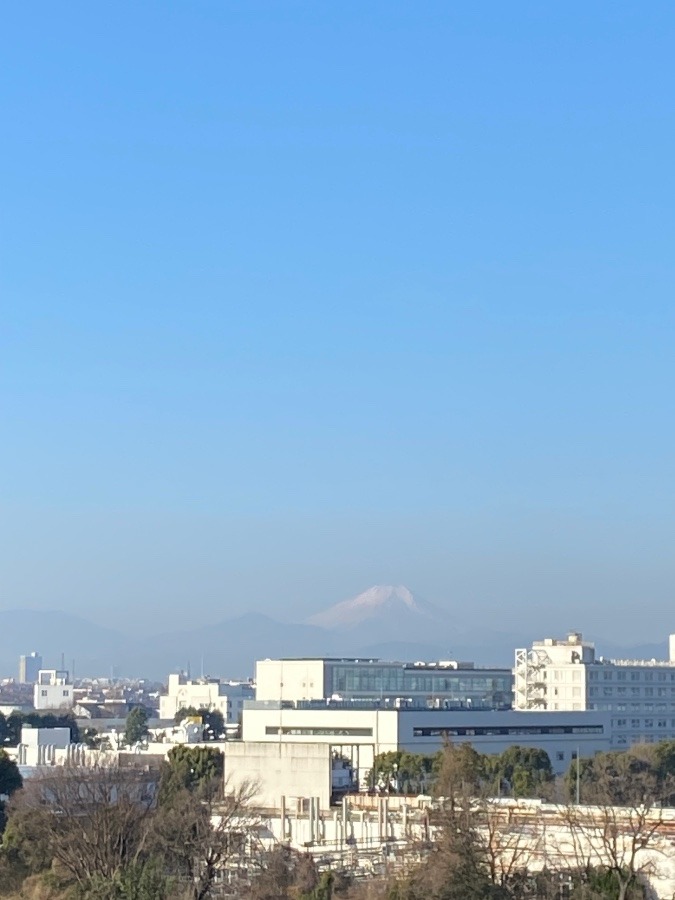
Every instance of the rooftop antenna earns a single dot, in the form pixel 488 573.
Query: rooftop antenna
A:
pixel 63 661
pixel 202 665
pixel 188 669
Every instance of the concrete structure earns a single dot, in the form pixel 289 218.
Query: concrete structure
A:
pixel 227 697
pixel 639 695
pixel 29 668
pixel 39 746
pixel 53 690
pixel 360 732
pixel 381 836
pixel 278 770
pixel 446 683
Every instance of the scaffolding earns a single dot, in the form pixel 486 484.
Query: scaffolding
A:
pixel 530 679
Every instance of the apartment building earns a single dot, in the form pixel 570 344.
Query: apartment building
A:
pixel 227 697
pixel 53 690
pixel 639 695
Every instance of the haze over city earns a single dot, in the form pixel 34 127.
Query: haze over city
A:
pixel 300 299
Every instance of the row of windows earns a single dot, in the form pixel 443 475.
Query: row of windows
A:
pixel 338 732
pixel 645 707
pixel 644 723
pixel 505 730
pixel 613 674
pixel 399 681
pixel 634 691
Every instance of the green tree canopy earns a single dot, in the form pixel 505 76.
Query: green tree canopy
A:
pixel 190 768
pixel 136 726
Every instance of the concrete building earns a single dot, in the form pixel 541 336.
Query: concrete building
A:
pixel 361 731
pixel 29 668
pixel 451 683
pixel 638 695
pixel 53 690
pixel 227 697
pixel 279 771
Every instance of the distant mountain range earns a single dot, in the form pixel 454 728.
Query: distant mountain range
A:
pixel 386 622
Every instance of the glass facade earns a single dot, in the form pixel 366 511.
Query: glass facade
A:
pixel 491 688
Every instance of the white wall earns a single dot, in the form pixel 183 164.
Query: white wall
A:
pixel 289 679
pixel 53 696
pixel 279 770
pixel 560 747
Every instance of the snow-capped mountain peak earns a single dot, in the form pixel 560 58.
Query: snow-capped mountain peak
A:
pixel 379 602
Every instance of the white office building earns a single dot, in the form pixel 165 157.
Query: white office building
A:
pixel 227 697
pixel 639 695
pixel 360 731
pixel 414 684
pixel 53 690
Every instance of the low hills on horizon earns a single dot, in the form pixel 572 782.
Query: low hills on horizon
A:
pixel 385 622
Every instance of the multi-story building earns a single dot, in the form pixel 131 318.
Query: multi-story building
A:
pixel 227 697
pixel 417 685
pixel 556 675
pixel 361 730
pixel 29 667
pixel 53 690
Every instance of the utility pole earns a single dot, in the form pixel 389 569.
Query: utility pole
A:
pixel 578 791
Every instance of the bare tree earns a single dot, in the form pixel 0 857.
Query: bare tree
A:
pixel 622 840
pixel 93 821
pixel 201 835
pixel 510 839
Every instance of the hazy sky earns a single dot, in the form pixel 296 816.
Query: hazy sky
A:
pixel 302 297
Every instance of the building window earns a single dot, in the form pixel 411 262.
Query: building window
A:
pixel 620 676
pixel 661 723
pixel 634 723
pixel 608 691
pixel 560 756
pixel 337 732
pixel 649 676
pixel 634 676
pixel 66 693
pixel 43 693
pixel 607 675
pixel 649 692
pixel 649 723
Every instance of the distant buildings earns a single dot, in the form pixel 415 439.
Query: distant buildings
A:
pixel 639 695
pixel 53 690
pixel 227 697
pixel 29 667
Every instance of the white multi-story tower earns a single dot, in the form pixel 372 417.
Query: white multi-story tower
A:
pixel 566 675
pixel 53 690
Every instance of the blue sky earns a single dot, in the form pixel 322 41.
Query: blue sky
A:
pixel 302 297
